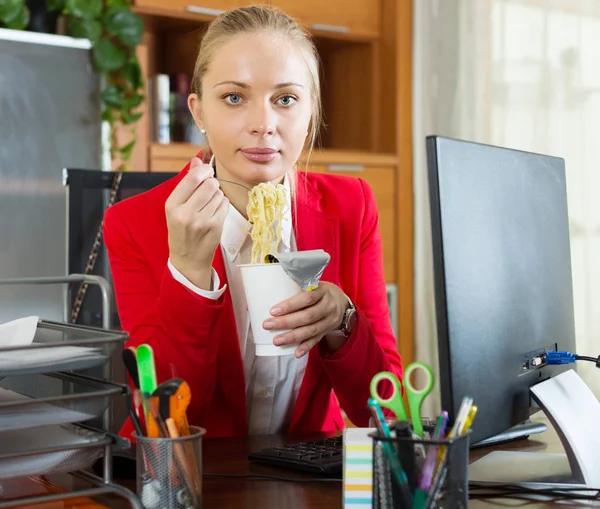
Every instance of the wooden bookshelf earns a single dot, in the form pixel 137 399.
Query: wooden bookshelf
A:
pixel 365 51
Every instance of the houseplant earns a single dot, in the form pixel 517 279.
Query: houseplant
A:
pixel 114 31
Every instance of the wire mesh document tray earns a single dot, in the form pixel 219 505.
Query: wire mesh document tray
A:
pixel 49 450
pixel 28 401
pixel 61 347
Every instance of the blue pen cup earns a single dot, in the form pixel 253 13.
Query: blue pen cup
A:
pixel 169 471
pixel 404 478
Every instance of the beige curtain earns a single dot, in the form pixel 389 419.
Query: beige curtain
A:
pixel 523 74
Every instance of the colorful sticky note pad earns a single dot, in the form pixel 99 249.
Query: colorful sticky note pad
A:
pixel 358 468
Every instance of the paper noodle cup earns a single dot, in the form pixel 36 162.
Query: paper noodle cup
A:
pixel 265 285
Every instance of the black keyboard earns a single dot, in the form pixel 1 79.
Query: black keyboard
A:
pixel 319 457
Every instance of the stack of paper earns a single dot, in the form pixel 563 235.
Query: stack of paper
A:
pixel 22 451
pixel 21 332
pixel 34 414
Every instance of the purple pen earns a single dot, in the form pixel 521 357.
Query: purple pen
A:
pixel 431 457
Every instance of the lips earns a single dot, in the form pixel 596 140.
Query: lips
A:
pixel 260 154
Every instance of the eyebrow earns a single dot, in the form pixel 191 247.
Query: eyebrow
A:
pixel 245 85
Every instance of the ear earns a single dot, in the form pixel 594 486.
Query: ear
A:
pixel 195 107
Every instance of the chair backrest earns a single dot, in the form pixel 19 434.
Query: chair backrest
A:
pixel 88 198
pixel 88 193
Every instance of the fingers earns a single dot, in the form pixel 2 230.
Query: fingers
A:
pixel 209 210
pixel 298 302
pixel 305 347
pixel 309 331
pixel 196 175
pixel 203 194
pixel 222 211
pixel 305 316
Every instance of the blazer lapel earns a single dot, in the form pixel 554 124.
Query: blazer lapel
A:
pixel 314 229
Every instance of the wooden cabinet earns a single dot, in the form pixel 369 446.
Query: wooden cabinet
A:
pixel 172 157
pixel 353 17
pixel 203 7
pixel 358 19
pixel 383 182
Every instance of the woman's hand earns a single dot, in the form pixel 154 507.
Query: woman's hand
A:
pixel 196 211
pixel 310 315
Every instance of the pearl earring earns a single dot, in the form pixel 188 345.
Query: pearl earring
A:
pixel 203 131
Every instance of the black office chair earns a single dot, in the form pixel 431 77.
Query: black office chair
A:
pixel 88 193
pixel 88 197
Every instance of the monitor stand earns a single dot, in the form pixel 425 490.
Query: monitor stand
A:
pixel 519 432
pixel 574 412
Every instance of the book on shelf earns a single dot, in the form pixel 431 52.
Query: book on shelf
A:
pixel 170 117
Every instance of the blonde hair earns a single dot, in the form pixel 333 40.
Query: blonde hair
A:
pixel 255 18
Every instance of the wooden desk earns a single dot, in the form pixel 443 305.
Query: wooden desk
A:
pixel 228 456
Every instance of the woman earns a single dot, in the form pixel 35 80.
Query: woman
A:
pixel 175 251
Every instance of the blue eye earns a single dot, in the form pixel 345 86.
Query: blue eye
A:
pixel 233 98
pixel 286 100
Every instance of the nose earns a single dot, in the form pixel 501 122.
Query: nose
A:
pixel 263 130
pixel 262 120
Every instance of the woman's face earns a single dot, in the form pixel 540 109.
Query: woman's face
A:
pixel 256 107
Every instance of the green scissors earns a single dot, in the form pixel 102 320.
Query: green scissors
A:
pixel 414 396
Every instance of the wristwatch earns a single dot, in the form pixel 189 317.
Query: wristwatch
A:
pixel 348 322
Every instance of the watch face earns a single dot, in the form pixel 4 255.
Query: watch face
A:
pixel 350 321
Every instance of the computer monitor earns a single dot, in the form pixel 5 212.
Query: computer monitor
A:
pixel 502 272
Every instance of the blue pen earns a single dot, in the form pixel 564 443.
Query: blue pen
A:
pixel 397 470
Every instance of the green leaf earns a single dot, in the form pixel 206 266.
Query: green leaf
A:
pixel 130 118
pixel 126 151
pixel 118 3
pixel 112 96
pixel 106 115
pixel 10 9
pixel 21 22
pixel 87 9
pixel 127 148
pixel 133 74
pixel 107 56
pixel 14 14
pixel 133 102
pixel 56 5
pixel 126 25
pixel 85 28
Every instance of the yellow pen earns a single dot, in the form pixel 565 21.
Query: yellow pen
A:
pixel 469 420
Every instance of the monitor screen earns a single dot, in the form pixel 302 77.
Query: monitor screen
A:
pixel 502 272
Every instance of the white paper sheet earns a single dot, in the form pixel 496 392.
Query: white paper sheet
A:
pixel 21 332
pixel 31 440
pixel 18 332
pixel 36 414
pixel 569 402
pixel 41 357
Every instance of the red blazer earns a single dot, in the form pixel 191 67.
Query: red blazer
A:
pixel 198 336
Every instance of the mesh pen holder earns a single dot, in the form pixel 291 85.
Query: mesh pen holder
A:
pixel 169 471
pixel 400 473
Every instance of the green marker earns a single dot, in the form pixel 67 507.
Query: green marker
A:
pixel 146 370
